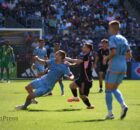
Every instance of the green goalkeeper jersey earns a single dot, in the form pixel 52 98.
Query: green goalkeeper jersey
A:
pixel 6 53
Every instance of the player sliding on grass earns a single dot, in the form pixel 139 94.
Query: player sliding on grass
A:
pixel 84 81
pixel 46 83
pixel 119 48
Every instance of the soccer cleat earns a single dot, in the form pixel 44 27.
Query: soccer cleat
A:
pixel 62 94
pixel 73 99
pixel 101 90
pixel 90 107
pixel 123 113
pixel 109 117
pixel 33 101
pixel 21 107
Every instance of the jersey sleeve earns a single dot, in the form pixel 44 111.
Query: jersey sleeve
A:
pixel 112 44
pixel 67 71
pixel 50 62
pixel 127 45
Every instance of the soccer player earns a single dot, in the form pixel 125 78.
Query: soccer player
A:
pixel 84 81
pixel 7 57
pixel 51 56
pixel 102 64
pixel 41 52
pixel 117 68
pixel 46 83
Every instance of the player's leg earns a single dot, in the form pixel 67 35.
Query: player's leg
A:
pixel 101 74
pixel 118 95
pixel 31 95
pixel 73 88
pixel 112 86
pixel 84 92
pixel 2 70
pixel 109 99
pixel 61 86
pixel 8 74
pixel 108 94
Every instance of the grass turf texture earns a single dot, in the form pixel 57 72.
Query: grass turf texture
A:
pixel 55 113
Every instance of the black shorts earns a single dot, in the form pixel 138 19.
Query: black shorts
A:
pixel 84 86
pixel 103 68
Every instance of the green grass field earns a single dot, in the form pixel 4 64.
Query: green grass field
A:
pixel 55 113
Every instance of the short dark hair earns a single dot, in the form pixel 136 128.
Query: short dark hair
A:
pixel 62 53
pixel 104 41
pixel 89 45
pixel 115 23
pixel 41 40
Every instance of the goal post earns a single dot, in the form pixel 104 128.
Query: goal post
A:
pixel 19 39
pixel 40 30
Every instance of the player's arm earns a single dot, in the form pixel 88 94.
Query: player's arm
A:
pixel 129 54
pixel 41 61
pixel 68 74
pixel 13 56
pixel 70 77
pixel 77 61
pixel 69 63
pixel 112 54
pixel 96 61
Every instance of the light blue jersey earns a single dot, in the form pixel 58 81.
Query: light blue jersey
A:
pixel 52 54
pixel 118 62
pixel 47 82
pixel 41 53
pixel 117 65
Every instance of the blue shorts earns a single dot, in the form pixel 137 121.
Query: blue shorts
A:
pixel 114 78
pixel 40 87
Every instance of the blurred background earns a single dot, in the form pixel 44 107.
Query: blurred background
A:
pixel 70 23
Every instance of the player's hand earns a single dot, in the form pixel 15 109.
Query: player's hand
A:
pixel 69 77
pixel 36 58
pixel 105 59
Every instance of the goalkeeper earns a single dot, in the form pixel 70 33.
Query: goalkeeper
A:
pixel 6 57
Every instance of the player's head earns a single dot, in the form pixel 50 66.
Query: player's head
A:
pixel 88 47
pixel 104 43
pixel 114 27
pixel 41 43
pixel 60 55
pixel 56 46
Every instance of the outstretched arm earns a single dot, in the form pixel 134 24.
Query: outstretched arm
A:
pixel 41 61
pixel 70 77
pixel 77 61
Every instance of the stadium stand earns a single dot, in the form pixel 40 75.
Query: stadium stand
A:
pixel 70 22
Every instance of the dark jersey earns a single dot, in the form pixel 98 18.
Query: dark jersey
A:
pixel 86 67
pixel 101 53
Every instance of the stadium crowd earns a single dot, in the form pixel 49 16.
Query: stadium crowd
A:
pixel 70 22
